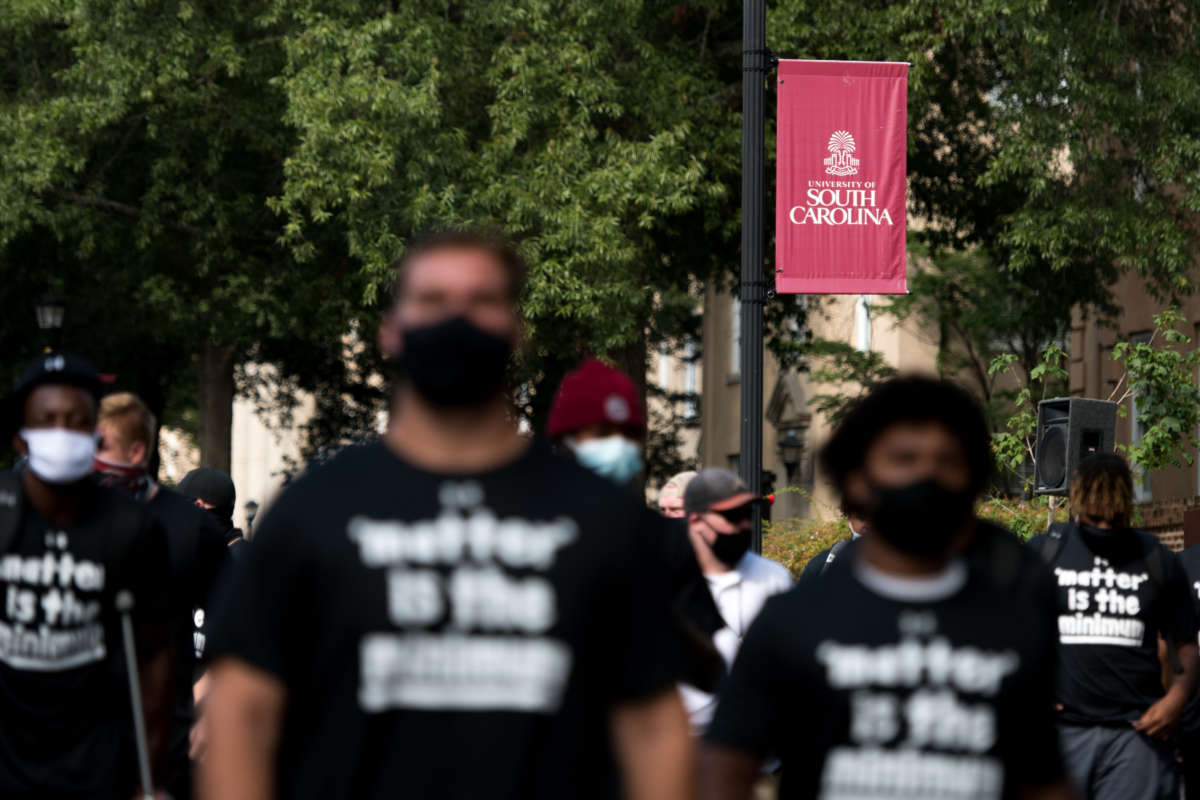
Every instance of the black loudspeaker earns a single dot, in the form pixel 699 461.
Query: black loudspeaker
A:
pixel 1070 429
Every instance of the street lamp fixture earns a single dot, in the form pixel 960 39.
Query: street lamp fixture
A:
pixel 791 450
pixel 251 508
pixel 50 309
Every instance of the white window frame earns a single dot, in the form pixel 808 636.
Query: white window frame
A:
pixel 735 338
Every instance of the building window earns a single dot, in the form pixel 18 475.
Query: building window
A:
pixel 664 366
pixel 1137 431
pixel 735 338
pixel 735 463
pixel 862 324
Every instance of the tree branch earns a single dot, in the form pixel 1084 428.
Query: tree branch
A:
pixel 123 210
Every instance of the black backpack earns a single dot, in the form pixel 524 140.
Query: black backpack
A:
pixel 833 554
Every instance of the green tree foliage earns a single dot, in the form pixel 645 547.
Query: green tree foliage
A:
pixel 1160 377
pixel 1052 146
pixel 236 177
pixel 1014 444
pixel 240 175
pixel 849 373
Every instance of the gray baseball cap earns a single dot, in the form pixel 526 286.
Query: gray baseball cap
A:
pixel 715 489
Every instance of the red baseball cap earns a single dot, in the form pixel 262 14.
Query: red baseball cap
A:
pixel 595 394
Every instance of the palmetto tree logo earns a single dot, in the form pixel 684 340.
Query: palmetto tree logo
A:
pixel 841 162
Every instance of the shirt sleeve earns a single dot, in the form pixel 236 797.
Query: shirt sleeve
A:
pixel 254 610
pixel 1034 757
pixel 1178 615
pixel 744 718
pixel 640 632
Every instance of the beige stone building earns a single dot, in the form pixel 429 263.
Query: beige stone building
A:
pixel 792 432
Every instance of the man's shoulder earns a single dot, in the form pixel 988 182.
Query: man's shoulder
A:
pixel 813 568
pixel 1189 557
pixel 171 507
pixel 1006 559
pixel 761 569
pixel 111 502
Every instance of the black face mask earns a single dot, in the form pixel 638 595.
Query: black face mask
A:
pixel 730 547
pixel 919 519
pixel 454 363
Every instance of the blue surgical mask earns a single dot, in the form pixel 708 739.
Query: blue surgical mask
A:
pixel 613 457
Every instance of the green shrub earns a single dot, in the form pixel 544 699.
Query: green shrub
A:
pixel 793 541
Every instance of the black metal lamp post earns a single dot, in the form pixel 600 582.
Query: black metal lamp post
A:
pixel 752 289
pixel 251 512
pixel 50 309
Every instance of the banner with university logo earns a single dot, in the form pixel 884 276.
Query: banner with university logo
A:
pixel 840 177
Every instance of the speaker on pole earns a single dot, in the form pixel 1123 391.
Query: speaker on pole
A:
pixel 1070 429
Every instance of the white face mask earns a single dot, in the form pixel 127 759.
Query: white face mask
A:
pixel 613 457
pixel 58 455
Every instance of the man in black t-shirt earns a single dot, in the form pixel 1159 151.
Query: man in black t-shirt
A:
pixel 1189 728
pixel 67 548
pixel 1119 591
pixel 451 612
pixel 921 664
pixel 195 546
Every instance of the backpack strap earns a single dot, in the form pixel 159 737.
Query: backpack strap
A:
pixel 12 497
pixel 838 546
pixel 1053 542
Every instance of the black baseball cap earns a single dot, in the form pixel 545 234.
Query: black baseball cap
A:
pixel 715 489
pixel 60 369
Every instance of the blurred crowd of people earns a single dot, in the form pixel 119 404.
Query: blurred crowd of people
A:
pixel 459 610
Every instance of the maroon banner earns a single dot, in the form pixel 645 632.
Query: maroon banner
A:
pixel 840 177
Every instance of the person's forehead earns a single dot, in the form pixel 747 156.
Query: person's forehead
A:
pixel 455 268
pixel 55 397
pixel 917 433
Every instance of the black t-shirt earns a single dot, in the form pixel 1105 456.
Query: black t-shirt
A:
pixel 1110 613
pixel 878 697
pixel 65 721
pixel 451 636
pixel 1189 559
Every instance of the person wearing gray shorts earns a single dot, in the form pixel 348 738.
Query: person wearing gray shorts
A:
pixel 1120 593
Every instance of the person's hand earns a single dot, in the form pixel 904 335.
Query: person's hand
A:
pixel 198 739
pixel 1160 719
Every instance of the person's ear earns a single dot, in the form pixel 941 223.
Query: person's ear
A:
pixel 137 453
pixel 19 444
pixel 856 489
pixel 390 336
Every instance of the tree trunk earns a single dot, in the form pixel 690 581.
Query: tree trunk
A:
pixel 215 405
pixel 631 359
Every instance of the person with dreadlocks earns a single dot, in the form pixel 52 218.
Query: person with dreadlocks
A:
pixel 195 547
pixel 1119 591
